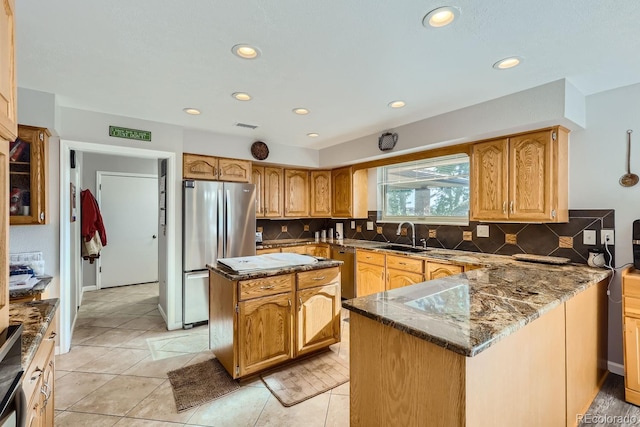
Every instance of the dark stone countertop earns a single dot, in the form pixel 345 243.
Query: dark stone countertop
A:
pixel 35 316
pixel 469 312
pixel 39 288
pixel 232 275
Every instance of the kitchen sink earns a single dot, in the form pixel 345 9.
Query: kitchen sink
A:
pixel 403 248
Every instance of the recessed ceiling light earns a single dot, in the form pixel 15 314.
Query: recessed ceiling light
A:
pixel 440 17
pixel 245 51
pixel 506 63
pixel 396 104
pixel 192 111
pixel 313 135
pixel 300 111
pixel 241 96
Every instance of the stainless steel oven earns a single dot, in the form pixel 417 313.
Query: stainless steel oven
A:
pixel 12 404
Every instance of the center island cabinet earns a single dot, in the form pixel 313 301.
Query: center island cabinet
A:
pixel 262 319
pixel 513 344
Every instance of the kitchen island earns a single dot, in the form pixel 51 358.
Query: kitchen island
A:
pixel 264 318
pixel 510 344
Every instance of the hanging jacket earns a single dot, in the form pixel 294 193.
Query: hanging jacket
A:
pixel 91 219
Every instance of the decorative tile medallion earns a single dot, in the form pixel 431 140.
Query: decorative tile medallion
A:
pixel 467 235
pixel 433 234
pixel 511 239
pixel 565 242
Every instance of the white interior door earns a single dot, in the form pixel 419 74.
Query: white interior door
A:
pixel 129 207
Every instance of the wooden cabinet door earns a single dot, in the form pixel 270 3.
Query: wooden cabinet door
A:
pixel 234 170
pixel 399 278
pixel 302 249
pixel 264 332
pixel 4 234
pixel 48 383
pixel 436 270
pixel 196 166
pixel 27 176
pixel 320 191
pixel 8 94
pixel 273 192
pixel 631 356
pixel 318 318
pixel 489 180
pixel 257 179
pixel 296 193
pixel 369 279
pixel 530 161
pixel 318 250
pixel 341 185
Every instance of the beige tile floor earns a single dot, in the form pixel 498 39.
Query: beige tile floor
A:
pixel 115 373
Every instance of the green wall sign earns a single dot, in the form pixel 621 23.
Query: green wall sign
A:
pixel 140 135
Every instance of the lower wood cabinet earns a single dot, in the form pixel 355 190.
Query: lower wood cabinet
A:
pixel 256 324
pixel 321 250
pixel 302 249
pixel 631 329
pixel 399 278
pixel 39 381
pixel 436 270
pixel 264 328
pixel 370 272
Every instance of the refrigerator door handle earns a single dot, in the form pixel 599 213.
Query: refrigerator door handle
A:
pixel 222 232
pixel 227 217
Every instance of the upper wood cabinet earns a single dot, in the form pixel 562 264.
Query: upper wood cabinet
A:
pixel 320 192
pixel 521 178
pixel 273 192
pixel 28 176
pixel 8 96
pixel 197 166
pixel 257 179
pixel 296 193
pixel 349 190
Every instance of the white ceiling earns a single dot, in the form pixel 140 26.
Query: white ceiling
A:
pixel 345 60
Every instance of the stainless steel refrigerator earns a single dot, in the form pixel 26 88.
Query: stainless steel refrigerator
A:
pixel 219 221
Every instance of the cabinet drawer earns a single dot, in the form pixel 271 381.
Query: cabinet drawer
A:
pixel 631 284
pixel 369 257
pixel 311 279
pixel 267 251
pixel 405 263
pixel 267 286
pixel 302 250
pixel 632 307
pixel 33 374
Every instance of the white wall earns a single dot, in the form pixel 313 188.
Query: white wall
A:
pixel 596 163
pixel 556 103
pixel 38 109
pixel 93 162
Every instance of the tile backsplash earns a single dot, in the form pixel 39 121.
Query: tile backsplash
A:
pixel 563 240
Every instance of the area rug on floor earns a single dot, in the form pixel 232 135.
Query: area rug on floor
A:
pixel 309 377
pixel 200 383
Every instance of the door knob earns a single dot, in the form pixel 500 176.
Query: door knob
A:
pixel 154 236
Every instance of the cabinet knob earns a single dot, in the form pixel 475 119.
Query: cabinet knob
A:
pixel 504 207
pixel 37 373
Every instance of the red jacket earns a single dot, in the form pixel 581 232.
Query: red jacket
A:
pixel 91 220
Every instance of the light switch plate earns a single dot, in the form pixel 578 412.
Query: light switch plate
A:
pixel 589 237
pixel 370 225
pixel 353 225
pixel 482 231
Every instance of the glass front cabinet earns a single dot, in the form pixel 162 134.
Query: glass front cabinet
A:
pixel 27 176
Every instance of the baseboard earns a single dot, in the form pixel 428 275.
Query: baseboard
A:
pixel 616 368
pixel 173 326
pixel 89 288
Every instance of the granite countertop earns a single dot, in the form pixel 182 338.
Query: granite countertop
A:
pixel 232 275
pixel 39 288
pixel 469 312
pixel 35 316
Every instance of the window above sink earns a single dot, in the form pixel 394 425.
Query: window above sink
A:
pixel 430 191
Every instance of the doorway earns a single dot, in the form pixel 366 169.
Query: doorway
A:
pixel 170 297
pixel 129 206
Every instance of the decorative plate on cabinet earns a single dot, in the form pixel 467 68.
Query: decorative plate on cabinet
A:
pixel 259 150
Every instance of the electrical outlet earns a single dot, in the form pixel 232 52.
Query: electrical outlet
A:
pixel 482 231
pixel 606 236
pixel 589 237
pixel 370 225
pixel 353 225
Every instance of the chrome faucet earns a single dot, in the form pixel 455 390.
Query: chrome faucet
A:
pixel 413 232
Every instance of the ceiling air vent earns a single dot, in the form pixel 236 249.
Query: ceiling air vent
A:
pixel 246 125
